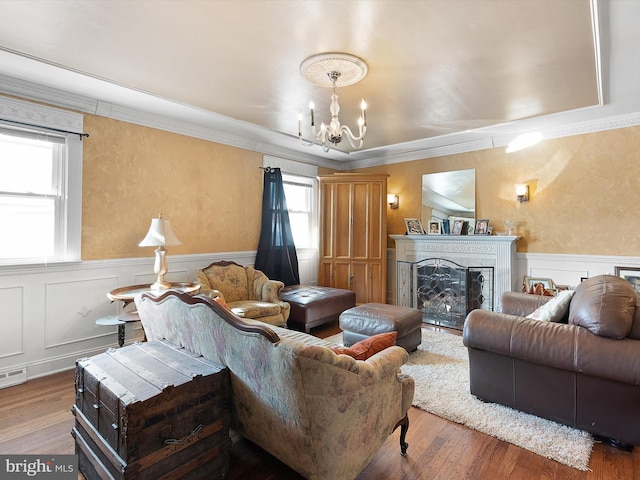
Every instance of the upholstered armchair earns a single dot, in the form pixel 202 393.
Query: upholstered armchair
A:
pixel 248 292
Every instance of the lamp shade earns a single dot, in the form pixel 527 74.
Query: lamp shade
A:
pixel 521 189
pixel 160 234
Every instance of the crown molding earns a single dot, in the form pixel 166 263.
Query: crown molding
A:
pixel 209 126
pixel 496 141
pixel 15 110
pixel 185 120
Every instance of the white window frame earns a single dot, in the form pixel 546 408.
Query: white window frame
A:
pixel 312 184
pixel 14 112
pixel 305 173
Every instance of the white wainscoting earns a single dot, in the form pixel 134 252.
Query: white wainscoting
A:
pixel 563 269
pixel 49 312
pixel 568 269
pixel 308 261
pixel 12 324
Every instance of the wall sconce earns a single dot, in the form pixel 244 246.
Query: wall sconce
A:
pixel 392 200
pixel 522 191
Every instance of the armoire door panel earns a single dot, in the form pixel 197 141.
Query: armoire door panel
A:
pixel 361 284
pixel 378 283
pixel 327 221
pixel 325 274
pixel 342 277
pixel 360 221
pixel 343 220
pixel 377 212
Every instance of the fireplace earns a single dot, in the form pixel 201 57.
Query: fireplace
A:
pixel 446 291
pixel 471 251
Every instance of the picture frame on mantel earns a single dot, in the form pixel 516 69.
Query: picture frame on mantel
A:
pixel 457 227
pixel 414 226
pixel 529 284
pixel 482 227
pixel 631 275
pixel 435 227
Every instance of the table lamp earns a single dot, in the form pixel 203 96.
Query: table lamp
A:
pixel 159 235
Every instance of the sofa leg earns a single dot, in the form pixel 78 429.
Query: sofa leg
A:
pixel 403 423
pixel 624 446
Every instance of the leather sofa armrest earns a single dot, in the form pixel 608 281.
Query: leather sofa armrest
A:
pixel 522 304
pixel 545 343
pixel 557 345
pixel 487 330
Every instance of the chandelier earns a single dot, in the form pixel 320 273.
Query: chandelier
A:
pixel 333 70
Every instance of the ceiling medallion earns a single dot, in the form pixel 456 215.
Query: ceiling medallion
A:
pixel 333 70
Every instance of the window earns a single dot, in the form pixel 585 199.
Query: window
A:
pixel 40 193
pixel 301 189
pixel 300 193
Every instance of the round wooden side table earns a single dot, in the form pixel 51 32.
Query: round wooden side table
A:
pixel 126 296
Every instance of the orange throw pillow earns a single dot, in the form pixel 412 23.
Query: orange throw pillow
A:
pixel 368 347
pixel 220 301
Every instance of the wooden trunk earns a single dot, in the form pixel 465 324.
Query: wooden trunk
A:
pixel 150 411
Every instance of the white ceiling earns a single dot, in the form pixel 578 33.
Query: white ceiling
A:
pixel 441 72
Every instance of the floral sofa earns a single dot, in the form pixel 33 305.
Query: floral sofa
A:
pixel 323 414
pixel 248 292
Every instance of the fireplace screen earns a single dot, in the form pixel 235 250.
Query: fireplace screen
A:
pixel 443 290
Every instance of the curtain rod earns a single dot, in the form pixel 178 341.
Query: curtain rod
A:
pixel 45 128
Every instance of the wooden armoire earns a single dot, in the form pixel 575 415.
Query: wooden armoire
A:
pixel 353 234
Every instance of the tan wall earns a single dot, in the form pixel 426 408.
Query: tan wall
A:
pixel 211 193
pixel 584 190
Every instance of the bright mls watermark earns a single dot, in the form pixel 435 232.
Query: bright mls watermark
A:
pixel 50 467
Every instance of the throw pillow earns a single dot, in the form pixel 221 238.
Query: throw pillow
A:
pixel 368 347
pixel 604 305
pixel 555 309
pixel 221 302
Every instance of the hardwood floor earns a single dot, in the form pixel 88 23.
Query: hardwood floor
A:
pixel 35 418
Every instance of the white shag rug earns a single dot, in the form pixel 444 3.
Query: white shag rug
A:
pixel 440 368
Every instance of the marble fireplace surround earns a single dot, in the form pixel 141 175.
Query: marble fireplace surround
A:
pixel 495 251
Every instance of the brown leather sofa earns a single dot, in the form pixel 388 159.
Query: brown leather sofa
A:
pixel 582 371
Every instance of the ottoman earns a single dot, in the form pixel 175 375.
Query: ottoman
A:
pixel 312 306
pixel 370 319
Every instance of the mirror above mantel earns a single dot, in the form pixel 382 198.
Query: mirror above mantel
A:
pixel 449 194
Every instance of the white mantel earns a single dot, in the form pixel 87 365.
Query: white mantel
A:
pixel 495 251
